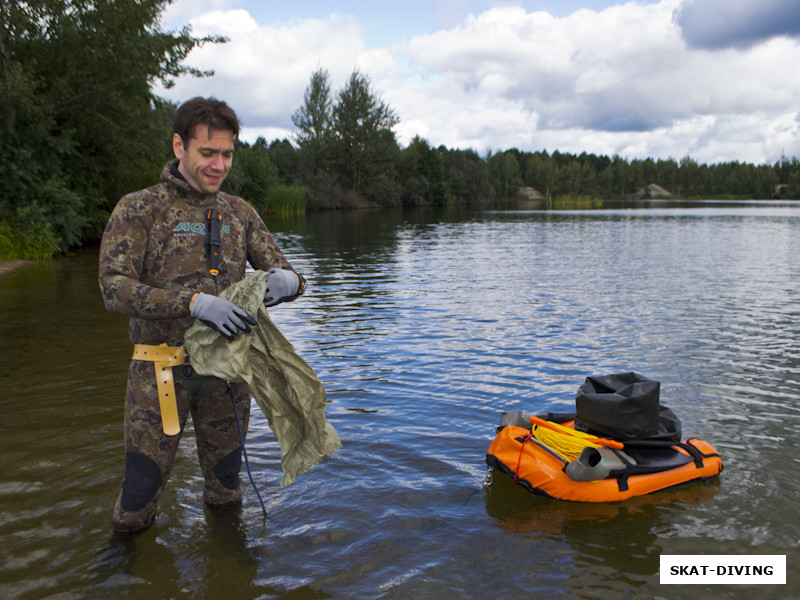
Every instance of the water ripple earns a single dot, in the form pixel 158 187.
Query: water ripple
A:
pixel 423 331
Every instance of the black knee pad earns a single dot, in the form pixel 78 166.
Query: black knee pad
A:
pixel 142 480
pixel 227 470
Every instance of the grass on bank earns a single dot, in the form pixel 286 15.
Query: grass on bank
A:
pixel 285 199
pixel 564 202
pixel 27 243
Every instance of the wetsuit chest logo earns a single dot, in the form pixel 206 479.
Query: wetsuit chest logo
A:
pixel 186 229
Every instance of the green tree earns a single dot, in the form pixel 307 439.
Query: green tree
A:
pixel 764 181
pixel 422 174
pixel 364 150
pixel 467 177
pixel 689 178
pixel 77 107
pixel 314 119
pixel 731 184
pixel 286 159
pixel 505 174
pixel 621 180
pixel 667 174
pixel 792 190
pixel 252 174
pixel 541 173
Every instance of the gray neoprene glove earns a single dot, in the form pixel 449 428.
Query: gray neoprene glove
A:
pixel 222 315
pixel 282 285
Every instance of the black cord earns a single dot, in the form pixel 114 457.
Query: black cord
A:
pixel 244 452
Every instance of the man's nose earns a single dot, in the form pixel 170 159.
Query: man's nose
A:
pixel 217 162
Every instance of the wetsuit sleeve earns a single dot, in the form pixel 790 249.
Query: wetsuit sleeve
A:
pixel 262 251
pixel 122 254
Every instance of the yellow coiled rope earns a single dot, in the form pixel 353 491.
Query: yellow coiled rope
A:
pixel 566 441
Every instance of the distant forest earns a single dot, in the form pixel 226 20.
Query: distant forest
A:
pixel 80 126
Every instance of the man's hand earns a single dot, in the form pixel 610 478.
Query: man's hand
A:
pixel 221 315
pixel 282 285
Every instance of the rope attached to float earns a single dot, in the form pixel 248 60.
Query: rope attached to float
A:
pixel 519 460
pixel 566 441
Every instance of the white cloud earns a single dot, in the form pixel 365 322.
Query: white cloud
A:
pixel 262 71
pixel 715 24
pixel 622 80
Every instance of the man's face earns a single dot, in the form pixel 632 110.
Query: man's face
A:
pixel 204 160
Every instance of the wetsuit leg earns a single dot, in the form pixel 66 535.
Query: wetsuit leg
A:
pixel 218 446
pixel 148 452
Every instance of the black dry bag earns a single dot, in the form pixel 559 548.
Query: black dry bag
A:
pixel 624 406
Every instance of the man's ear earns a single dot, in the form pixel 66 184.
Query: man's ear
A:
pixel 177 146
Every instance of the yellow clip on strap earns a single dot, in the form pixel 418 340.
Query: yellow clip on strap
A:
pixel 164 358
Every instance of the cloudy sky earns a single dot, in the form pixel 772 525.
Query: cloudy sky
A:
pixel 717 80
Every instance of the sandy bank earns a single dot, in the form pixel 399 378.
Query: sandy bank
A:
pixel 6 266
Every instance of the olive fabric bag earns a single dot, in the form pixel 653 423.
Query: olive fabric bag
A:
pixel 284 385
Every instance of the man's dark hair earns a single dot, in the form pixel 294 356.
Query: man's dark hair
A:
pixel 214 113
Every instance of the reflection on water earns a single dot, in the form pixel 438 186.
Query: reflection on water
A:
pixel 424 327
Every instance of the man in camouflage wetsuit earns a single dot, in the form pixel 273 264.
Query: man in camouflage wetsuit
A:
pixel 154 267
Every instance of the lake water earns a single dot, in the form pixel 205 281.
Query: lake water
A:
pixel 424 327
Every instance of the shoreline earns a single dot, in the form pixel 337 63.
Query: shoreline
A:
pixel 8 266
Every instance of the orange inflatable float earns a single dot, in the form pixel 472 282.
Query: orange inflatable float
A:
pixel 552 459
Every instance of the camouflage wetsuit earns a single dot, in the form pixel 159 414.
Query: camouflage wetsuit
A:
pixel 151 263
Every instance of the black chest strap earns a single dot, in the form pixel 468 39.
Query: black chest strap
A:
pixel 213 243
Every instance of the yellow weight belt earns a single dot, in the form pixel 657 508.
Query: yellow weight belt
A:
pixel 164 358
